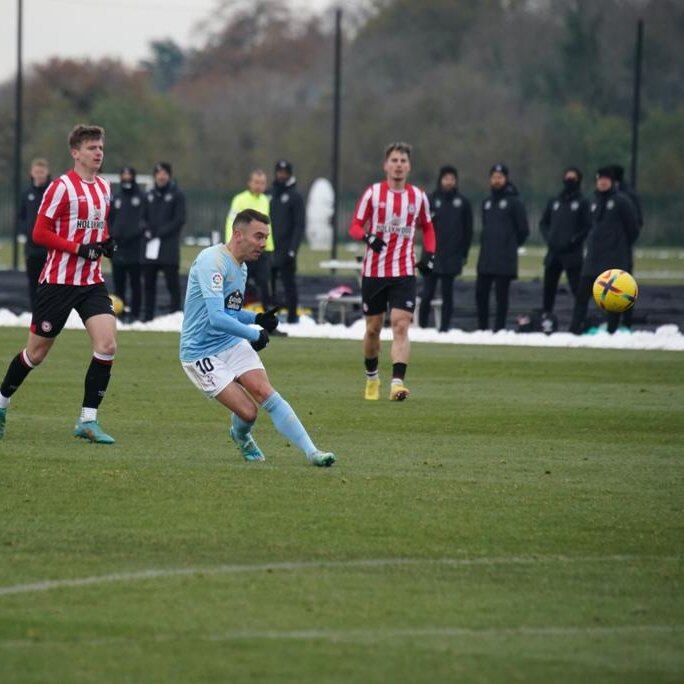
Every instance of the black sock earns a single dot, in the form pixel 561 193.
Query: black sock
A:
pixel 398 371
pixel 371 367
pixel 18 369
pixel 96 381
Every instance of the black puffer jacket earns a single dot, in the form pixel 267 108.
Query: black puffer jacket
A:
pixel 504 229
pixel 164 217
pixel 125 224
pixel 615 229
pixel 452 217
pixel 287 219
pixel 28 210
pixel 564 226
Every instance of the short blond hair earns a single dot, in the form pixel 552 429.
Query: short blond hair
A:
pixel 40 161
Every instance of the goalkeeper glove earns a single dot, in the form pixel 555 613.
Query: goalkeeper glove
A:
pixel 426 263
pixel 91 252
pixel 374 242
pixel 261 342
pixel 268 319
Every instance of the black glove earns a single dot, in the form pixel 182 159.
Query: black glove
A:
pixel 259 344
pixel 374 242
pixel 92 252
pixel 108 247
pixel 426 263
pixel 268 319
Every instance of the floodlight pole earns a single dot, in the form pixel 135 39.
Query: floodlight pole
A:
pixel 637 102
pixel 337 82
pixel 18 111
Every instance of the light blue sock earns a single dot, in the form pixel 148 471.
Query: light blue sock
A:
pixel 240 427
pixel 287 423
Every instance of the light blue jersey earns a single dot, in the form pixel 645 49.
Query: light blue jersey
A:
pixel 213 319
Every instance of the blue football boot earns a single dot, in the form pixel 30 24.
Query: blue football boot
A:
pixel 92 431
pixel 248 447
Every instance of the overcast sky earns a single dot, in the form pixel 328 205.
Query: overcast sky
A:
pixel 100 28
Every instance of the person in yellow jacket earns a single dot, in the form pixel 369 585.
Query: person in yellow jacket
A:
pixel 254 198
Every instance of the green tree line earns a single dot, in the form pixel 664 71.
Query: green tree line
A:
pixel 536 84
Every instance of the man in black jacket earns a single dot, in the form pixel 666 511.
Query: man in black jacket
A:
pixel 504 229
pixel 287 219
pixel 34 255
pixel 564 226
pixel 163 220
pixel 452 217
pixel 609 244
pixel 125 227
pixel 621 185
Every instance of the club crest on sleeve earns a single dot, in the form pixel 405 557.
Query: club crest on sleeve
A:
pixel 46 326
pixel 234 301
pixel 217 282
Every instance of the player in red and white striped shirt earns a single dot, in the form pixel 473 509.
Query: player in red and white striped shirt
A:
pixel 386 219
pixel 72 224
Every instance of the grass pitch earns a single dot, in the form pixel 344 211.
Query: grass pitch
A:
pixel 519 518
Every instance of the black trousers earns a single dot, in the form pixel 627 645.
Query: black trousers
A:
pixel 131 272
pixel 150 272
pixel 429 288
pixel 287 273
pixel 552 275
pixel 483 287
pixel 579 314
pixel 34 265
pixel 259 272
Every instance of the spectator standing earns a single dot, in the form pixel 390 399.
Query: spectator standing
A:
pixel 163 220
pixel 564 226
pixel 287 218
pixel 34 255
pixel 254 197
pixel 621 185
pixel 452 218
pixel 609 244
pixel 504 229
pixel 125 226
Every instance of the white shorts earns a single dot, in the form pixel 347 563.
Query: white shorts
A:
pixel 213 374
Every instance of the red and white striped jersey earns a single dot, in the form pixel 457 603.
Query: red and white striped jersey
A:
pixel 78 210
pixel 392 215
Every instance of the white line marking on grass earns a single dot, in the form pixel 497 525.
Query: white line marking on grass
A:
pixel 357 635
pixel 155 573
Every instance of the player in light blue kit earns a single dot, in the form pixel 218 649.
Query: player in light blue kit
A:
pixel 218 345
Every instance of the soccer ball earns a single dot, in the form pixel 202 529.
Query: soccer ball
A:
pixel 117 305
pixel 615 290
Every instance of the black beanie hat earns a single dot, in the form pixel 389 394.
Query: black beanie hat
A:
pixel 499 168
pixel 128 169
pixel 283 165
pixel 446 170
pixel 163 166
pixel 606 172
